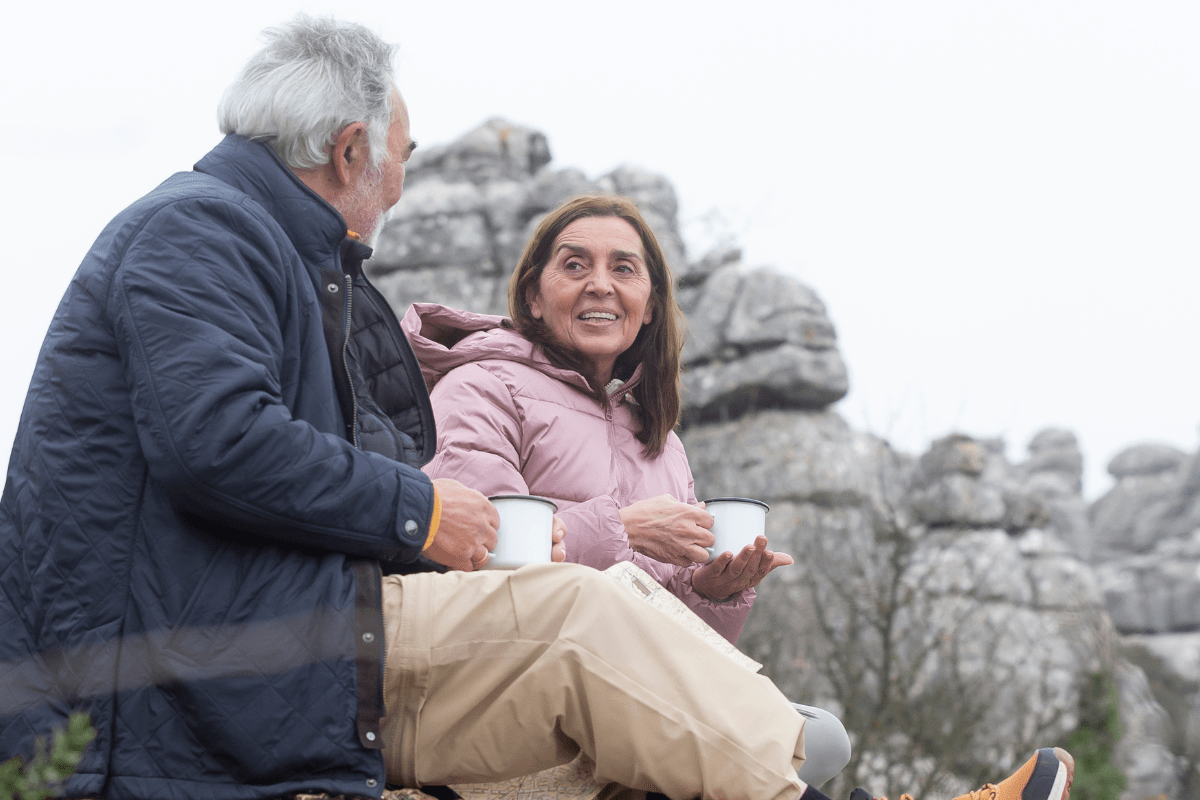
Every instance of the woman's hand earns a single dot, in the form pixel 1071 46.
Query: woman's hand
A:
pixel 558 550
pixel 728 574
pixel 668 530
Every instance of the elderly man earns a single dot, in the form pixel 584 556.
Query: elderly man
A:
pixel 219 451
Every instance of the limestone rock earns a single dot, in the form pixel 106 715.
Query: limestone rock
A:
pixel 709 263
pixel 1155 592
pixel 949 487
pixel 1056 451
pixel 1151 502
pixel 759 340
pixel 1127 518
pixel 798 457
pixel 786 376
pixel 496 149
pixel 437 224
pixel 1151 769
pixel 1146 459
pixel 958 499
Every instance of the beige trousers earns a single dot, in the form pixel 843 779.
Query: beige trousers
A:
pixel 497 674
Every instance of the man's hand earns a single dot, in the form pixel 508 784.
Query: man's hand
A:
pixel 558 550
pixel 729 574
pixel 668 530
pixel 468 528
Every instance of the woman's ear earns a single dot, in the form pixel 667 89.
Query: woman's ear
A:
pixel 534 299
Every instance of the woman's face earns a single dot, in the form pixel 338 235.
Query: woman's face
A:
pixel 594 291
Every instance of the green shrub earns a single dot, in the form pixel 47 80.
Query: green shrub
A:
pixel 1093 742
pixel 44 774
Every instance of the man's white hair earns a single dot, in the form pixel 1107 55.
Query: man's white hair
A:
pixel 314 77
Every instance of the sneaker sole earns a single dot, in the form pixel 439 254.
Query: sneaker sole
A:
pixel 1049 777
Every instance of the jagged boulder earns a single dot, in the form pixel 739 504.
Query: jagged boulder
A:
pixel 758 340
pixel 950 488
pixel 1146 459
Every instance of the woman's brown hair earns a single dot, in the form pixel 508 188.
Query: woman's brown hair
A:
pixel 658 343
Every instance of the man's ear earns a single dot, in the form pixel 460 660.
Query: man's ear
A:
pixel 350 153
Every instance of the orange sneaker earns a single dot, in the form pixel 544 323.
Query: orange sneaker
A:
pixel 1046 776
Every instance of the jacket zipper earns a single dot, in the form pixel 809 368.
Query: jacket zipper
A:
pixel 622 483
pixel 349 282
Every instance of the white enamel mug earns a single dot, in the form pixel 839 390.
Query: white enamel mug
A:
pixel 737 522
pixel 526 531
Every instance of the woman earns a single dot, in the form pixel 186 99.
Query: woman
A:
pixel 575 399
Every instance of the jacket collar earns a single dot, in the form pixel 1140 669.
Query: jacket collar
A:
pixel 314 227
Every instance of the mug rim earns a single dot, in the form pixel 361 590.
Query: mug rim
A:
pixel 737 500
pixel 545 500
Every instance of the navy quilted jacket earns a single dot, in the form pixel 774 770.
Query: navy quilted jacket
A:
pixel 199 497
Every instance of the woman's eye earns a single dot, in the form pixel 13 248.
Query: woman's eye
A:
pixel 572 266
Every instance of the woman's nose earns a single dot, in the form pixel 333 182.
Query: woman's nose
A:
pixel 600 282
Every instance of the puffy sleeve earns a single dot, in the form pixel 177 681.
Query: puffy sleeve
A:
pixel 198 309
pixel 479 432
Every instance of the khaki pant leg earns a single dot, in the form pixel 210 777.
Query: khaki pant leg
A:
pixel 494 675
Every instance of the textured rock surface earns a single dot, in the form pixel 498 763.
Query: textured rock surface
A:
pixel 967 591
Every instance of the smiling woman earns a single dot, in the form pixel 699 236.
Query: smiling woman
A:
pixel 575 398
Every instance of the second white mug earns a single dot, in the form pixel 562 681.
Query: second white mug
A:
pixel 737 522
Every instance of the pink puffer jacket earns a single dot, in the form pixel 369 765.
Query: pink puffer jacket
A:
pixel 508 422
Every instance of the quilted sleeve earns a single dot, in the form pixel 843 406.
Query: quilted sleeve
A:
pixel 200 305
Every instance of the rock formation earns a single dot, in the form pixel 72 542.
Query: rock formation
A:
pixel 950 607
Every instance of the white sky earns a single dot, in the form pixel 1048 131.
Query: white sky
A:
pixel 999 202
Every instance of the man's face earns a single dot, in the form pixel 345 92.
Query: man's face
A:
pixel 379 188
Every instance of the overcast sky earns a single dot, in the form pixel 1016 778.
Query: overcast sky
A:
pixel 999 202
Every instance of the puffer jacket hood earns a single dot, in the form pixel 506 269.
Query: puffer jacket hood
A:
pixel 509 422
pixel 446 338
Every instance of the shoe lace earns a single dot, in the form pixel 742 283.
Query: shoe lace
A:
pixel 986 792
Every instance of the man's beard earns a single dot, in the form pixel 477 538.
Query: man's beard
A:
pixel 366 200
pixel 372 238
